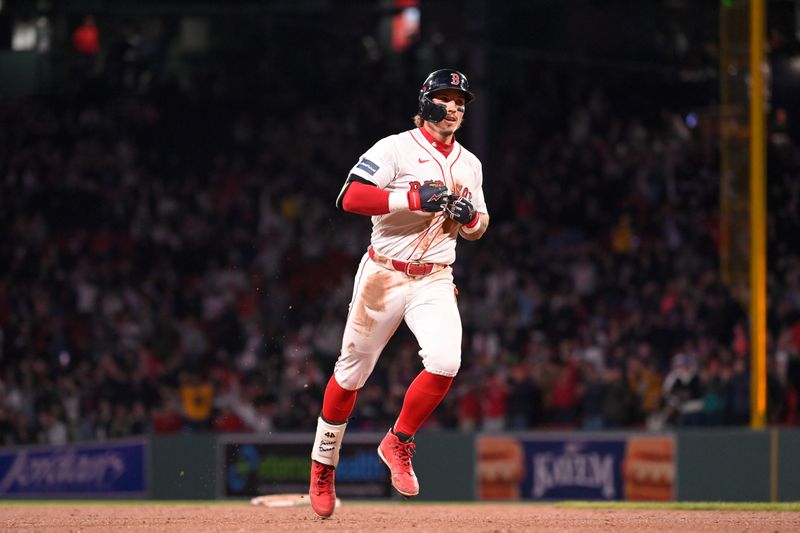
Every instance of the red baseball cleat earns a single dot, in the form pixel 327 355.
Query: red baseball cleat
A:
pixel 397 456
pixel 321 490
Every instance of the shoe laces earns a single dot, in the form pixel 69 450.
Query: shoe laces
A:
pixel 405 451
pixel 322 474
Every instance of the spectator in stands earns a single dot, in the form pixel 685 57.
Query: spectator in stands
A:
pixel 683 392
pixel 524 399
pixel 737 394
pixel 197 399
pixel 52 429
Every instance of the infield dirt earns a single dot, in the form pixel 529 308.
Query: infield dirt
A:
pixel 398 516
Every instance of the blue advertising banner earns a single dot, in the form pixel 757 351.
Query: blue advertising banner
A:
pixel 573 469
pixel 107 470
pixel 512 467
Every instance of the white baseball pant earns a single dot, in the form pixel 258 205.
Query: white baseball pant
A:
pixel 382 297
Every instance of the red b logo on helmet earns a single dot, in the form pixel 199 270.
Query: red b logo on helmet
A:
pixel 455 79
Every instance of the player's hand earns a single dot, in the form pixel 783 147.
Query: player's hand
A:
pixel 460 209
pixel 430 197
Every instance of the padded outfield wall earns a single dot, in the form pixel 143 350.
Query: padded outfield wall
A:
pixel 700 465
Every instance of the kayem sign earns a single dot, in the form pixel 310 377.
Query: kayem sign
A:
pixel 576 467
pixel 573 469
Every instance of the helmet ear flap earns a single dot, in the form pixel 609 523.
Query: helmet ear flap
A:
pixel 430 111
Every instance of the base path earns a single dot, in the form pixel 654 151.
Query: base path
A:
pixel 360 516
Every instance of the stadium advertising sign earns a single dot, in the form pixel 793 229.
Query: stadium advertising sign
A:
pixel 108 470
pixel 280 464
pixel 586 470
pixel 576 467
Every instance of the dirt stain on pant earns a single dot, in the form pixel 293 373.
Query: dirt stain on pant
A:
pixel 372 298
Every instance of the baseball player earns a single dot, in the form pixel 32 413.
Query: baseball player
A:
pixel 422 190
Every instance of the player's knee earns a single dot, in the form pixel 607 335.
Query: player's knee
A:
pixel 354 366
pixel 351 380
pixel 352 373
pixel 443 364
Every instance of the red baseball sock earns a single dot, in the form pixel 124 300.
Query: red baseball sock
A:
pixel 422 397
pixel 337 405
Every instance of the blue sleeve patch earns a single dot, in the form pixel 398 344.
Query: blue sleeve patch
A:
pixel 368 166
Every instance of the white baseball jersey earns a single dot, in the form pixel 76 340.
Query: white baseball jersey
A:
pixel 393 163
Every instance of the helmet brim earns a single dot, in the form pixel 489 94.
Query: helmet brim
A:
pixel 468 96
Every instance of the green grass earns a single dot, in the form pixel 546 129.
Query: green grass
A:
pixel 687 506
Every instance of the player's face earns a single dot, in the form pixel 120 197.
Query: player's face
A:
pixel 454 102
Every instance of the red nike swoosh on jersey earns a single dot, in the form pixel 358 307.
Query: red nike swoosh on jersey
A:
pixel 423 160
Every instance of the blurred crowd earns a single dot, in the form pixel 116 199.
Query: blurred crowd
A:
pixel 172 259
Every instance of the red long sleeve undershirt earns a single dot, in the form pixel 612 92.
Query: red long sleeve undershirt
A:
pixel 364 199
pixel 369 200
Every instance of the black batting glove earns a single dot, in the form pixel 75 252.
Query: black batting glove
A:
pixel 430 197
pixel 460 209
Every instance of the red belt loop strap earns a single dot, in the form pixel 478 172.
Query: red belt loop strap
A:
pixel 413 268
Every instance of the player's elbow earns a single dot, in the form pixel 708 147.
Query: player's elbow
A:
pixel 347 203
pixel 357 197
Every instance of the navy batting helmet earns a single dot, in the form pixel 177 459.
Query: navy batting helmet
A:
pixel 440 80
